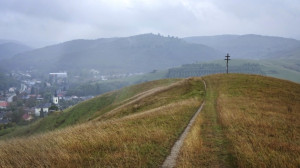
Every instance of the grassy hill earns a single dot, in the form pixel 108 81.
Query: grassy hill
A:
pixel 247 121
pixel 283 69
pixel 133 126
pixel 88 110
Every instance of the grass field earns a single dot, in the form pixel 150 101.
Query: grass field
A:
pixel 249 121
pixel 260 120
pixel 87 110
pixel 206 145
pixel 136 137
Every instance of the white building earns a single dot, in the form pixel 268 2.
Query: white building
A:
pixel 12 89
pixel 45 107
pixel 55 100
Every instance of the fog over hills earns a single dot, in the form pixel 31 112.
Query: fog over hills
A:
pixel 146 52
pixel 141 53
pixel 251 46
pixel 9 48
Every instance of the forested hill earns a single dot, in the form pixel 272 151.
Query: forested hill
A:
pixel 141 53
pixel 6 81
pixel 10 48
pixel 251 46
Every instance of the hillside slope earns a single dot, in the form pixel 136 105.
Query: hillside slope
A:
pixel 141 53
pixel 10 48
pixel 135 126
pixel 89 110
pixel 251 46
pixel 247 121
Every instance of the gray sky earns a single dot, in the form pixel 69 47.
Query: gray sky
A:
pixel 44 22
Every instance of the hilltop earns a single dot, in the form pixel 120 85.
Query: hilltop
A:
pixel 288 69
pixel 247 121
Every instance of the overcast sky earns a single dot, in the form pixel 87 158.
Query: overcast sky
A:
pixel 43 22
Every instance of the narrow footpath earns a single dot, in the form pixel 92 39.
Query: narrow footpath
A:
pixel 170 161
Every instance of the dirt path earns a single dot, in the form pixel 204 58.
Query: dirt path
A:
pixel 137 98
pixel 170 161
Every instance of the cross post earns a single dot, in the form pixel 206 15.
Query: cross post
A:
pixel 227 59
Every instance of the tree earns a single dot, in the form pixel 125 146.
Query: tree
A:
pixel 30 102
pixel 17 115
pixel 15 98
pixel 53 107
pixel 47 96
pixel 42 112
pixel 32 91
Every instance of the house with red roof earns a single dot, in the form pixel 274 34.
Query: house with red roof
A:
pixel 27 117
pixel 3 104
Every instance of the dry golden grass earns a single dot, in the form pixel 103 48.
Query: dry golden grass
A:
pixel 155 97
pixel 260 117
pixel 192 149
pixel 248 121
pixel 141 138
pixel 205 145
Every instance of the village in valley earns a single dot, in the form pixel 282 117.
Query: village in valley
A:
pixel 35 98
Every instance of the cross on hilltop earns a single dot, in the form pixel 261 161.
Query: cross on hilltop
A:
pixel 227 59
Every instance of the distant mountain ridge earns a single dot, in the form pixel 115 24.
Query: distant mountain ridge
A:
pixel 146 52
pixel 9 48
pixel 251 46
pixel 140 53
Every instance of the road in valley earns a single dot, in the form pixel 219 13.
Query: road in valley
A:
pixel 10 98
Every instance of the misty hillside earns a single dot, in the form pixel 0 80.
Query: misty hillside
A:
pixel 251 46
pixel 10 48
pixel 141 53
pixel 287 54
